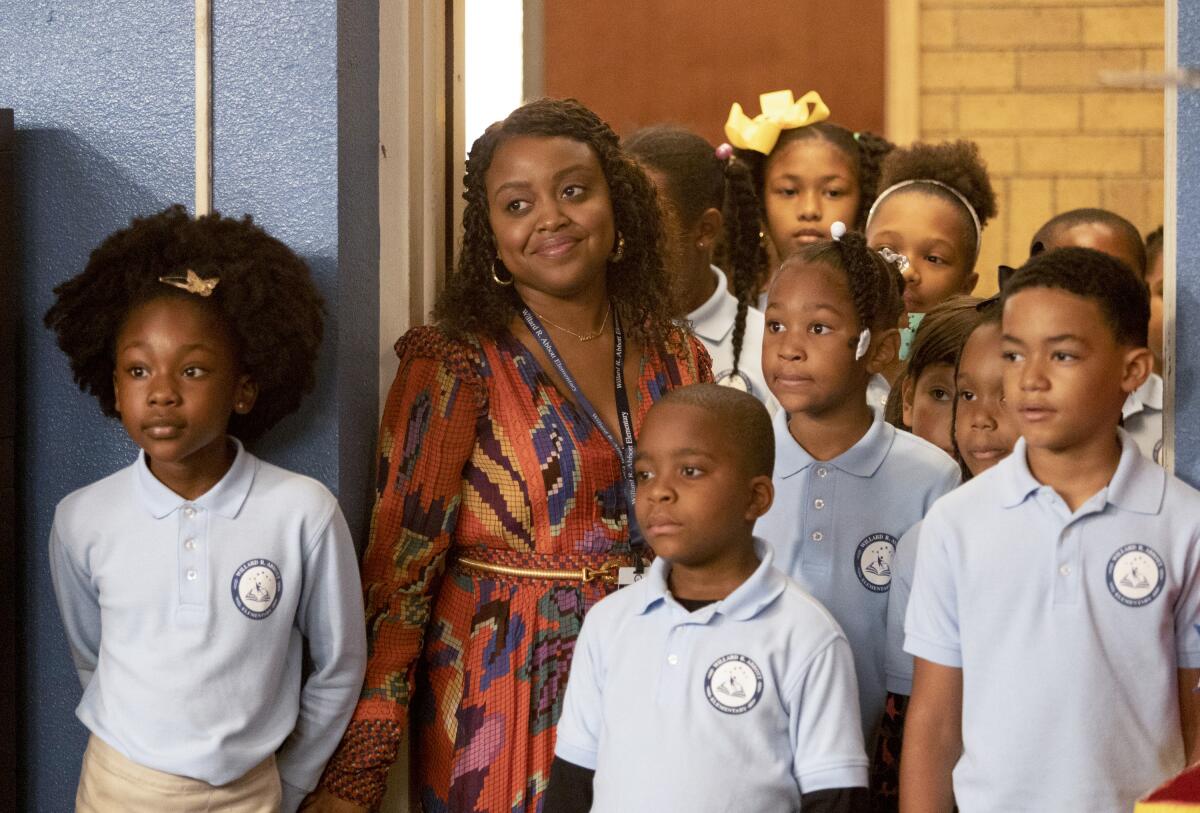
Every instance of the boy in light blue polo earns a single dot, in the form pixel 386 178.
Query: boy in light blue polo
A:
pixel 715 683
pixel 847 483
pixel 1054 604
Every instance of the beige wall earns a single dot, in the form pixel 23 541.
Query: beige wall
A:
pixel 1020 77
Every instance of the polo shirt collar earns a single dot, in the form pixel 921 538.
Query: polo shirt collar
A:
pixel 225 498
pixel 1147 396
pixel 1137 485
pixel 748 600
pixel 862 459
pixel 713 320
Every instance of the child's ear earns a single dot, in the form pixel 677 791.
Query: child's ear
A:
pixel 762 494
pixel 969 283
pixel 883 350
pixel 708 229
pixel 908 394
pixel 1138 364
pixel 116 393
pixel 245 395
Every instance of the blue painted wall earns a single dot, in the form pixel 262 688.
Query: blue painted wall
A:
pixel 103 96
pixel 1187 289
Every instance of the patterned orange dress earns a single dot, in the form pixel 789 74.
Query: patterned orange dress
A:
pixel 481 456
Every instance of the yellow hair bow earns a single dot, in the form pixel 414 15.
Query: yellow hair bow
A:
pixel 780 111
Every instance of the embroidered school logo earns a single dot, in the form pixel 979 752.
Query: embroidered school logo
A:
pixel 733 684
pixel 735 380
pixel 257 586
pixel 1135 575
pixel 873 562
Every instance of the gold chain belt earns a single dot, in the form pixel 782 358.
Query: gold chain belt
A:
pixel 607 573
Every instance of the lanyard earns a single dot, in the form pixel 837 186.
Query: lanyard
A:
pixel 625 448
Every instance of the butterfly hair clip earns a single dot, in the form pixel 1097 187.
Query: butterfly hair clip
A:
pixel 193 283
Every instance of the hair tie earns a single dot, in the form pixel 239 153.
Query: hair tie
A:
pixel 895 258
pixel 780 111
pixel 864 342
pixel 193 283
pixel 838 230
pixel 959 196
pixel 856 135
pixel 724 151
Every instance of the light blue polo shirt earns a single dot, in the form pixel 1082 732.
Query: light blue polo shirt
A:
pixel 898 664
pixel 187 620
pixel 1068 628
pixel 834 526
pixel 744 704
pixel 1142 416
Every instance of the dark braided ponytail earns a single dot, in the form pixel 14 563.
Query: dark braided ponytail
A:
pixel 746 254
pixel 696 180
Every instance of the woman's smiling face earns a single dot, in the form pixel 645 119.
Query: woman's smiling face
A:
pixel 551 212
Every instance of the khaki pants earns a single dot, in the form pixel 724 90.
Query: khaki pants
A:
pixel 111 783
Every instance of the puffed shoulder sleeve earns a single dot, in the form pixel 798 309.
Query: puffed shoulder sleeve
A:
pixel 425 439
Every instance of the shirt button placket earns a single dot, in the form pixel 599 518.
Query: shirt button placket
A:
pixel 819 513
pixel 191 559
pixel 1067 575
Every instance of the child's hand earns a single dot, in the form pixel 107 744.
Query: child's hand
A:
pixel 322 801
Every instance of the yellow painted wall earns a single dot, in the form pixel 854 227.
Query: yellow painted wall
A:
pixel 1020 77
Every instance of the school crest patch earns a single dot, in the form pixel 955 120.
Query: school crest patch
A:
pixel 873 562
pixel 735 380
pixel 733 684
pixel 256 587
pixel 1135 575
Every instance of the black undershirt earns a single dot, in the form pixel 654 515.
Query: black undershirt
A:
pixel 570 786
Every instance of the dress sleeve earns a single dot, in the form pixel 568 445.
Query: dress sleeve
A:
pixel 425 439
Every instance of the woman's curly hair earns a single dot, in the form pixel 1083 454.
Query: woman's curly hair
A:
pixel 472 303
pixel 876 285
pixel 958 165
pixel 266 297
pixel 865 151
pixel 697 180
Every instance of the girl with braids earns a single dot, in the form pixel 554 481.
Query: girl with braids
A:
pixel 847 483
pixel 502 511
pixel 935 202
pixel 195 582
pixel 704 193
pixel 808 172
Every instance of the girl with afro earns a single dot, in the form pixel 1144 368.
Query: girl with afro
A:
pixel 935 203
pixel 707 197
pixel 502 512
pixel 808 172
pixel 193 582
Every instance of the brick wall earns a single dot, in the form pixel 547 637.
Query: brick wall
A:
pixel 1020 77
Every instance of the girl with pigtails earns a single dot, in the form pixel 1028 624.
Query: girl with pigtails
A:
pixel 808 172
pixel 707 197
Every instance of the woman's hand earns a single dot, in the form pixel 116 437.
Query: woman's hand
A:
pixel 322 801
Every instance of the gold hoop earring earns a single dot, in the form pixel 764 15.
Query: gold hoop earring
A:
pixel 619 254
pixel 496 276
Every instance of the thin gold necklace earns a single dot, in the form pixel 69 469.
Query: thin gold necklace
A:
pixel 589 337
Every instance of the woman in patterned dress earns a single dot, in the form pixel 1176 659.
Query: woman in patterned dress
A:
pixel 489 460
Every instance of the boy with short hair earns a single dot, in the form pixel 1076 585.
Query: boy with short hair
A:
pixel 1107 231
pixel 716 682
pixel 1055 595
